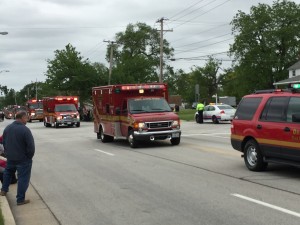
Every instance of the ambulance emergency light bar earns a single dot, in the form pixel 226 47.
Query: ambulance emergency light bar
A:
pixel 68 98
pixel 138 87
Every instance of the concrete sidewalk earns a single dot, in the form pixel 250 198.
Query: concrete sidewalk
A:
pixel 34 213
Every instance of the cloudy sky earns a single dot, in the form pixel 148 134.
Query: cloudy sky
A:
pixel 36 28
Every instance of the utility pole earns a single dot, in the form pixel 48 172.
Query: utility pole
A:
pixel 161 63
pixel 36 89
pixel 110 59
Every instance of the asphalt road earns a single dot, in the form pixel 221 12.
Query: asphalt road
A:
pixel 201 181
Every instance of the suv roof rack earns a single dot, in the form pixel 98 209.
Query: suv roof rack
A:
pixel 267 91
pixel 292 90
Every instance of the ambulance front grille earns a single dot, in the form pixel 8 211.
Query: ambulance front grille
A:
pixel 39 112
pixel 159 125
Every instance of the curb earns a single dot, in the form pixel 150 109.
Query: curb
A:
pixel 6 212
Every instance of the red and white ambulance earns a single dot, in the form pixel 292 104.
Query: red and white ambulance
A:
pixel 61 110
pixel 35 110
pixel 136 112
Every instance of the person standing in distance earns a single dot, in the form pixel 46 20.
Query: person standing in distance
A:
pixel 19 150
pixel 200 108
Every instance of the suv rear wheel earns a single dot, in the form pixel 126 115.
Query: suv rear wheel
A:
pixel 253 157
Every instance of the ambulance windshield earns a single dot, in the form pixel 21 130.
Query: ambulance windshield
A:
pixel 65 108
pixel 146 105
pixel 36 105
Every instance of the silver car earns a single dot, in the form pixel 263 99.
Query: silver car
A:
pixel 217 113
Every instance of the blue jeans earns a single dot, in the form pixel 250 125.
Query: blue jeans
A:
pixel 23 169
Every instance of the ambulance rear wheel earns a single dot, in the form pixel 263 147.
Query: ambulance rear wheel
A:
pixel 253 157
pixel 131 140
pixel 105 138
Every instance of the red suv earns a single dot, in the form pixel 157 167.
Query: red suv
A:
pixel 266 128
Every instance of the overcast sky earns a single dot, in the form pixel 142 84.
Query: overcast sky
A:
pixel 36 28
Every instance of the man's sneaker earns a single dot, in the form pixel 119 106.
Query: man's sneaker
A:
pixel 3 193
pixel 24 202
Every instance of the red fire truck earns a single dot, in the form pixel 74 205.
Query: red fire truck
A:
pixel 136 112
pixel 35 110
pixel 61 110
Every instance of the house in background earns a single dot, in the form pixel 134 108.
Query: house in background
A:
pixel 294 76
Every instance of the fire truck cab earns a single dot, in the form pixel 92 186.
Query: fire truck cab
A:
pixel 61 110
pixel 35 110
pixel 136 112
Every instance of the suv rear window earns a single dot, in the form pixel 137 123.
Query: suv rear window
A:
pixel 275 109
pixel 247 108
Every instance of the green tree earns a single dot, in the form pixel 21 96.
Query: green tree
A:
pixel 266 43
pixel 70 74
pixel 10 98
pixel 208 78
pixel 136 54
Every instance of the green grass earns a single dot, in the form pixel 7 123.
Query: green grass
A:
pixel 187 114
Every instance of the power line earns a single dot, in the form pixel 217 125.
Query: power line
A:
pixel 204 31
pixel 204 13
pixel 203 40
pixel 204 46
pixel 196 9
pixel 186 9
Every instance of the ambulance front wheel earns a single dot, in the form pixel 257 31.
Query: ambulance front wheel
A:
pixel 131 140
pixel 175 141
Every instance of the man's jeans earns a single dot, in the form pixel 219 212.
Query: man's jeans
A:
pixel 24 171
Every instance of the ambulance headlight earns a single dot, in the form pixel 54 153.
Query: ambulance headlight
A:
pixel 176 124
pixel 59 118
pixel 32 114
pixel 140 126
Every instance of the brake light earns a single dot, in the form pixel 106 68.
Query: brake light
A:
pixel 222 112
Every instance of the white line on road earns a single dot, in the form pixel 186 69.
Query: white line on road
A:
pixel 268 205
pixel 212 134
pixel 107 153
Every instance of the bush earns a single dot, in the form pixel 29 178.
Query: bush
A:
pixel 187 114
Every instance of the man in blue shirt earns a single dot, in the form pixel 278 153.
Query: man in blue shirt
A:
pixel 19 149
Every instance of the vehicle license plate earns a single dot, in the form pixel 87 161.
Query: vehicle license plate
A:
pixel 68 122
pixel 174 135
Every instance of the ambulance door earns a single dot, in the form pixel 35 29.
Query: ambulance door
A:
pixel 124 119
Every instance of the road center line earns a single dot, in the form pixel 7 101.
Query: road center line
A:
pixel 107 153
pixel 212 135
pixel 267 205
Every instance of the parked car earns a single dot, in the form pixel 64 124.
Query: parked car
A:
pixel 266 128
pixel 217 112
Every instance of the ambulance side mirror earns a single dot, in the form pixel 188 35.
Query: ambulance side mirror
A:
pixel 296 118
